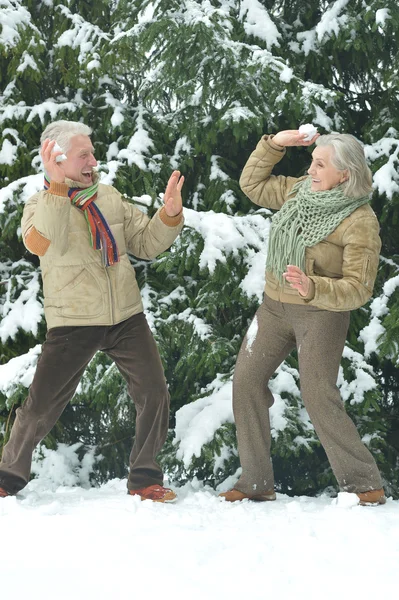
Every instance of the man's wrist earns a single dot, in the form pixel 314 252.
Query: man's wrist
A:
pixel 168 220
pixel 58 188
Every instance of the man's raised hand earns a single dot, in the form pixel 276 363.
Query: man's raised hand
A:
pixel 172 197
pixel 53 169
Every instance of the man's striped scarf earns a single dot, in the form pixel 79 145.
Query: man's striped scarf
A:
pixel 100 234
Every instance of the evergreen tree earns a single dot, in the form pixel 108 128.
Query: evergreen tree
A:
pixel 193 85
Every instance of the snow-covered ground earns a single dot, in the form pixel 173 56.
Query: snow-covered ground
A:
pixel 71 543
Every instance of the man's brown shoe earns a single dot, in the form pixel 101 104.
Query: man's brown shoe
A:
pixel 372 498
pixel 156 493
pixel 236 496
pixel 3 493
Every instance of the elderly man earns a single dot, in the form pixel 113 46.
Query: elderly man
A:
pixel 82 230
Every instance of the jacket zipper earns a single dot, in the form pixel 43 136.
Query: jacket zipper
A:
pixel 366 270
pixel 111 299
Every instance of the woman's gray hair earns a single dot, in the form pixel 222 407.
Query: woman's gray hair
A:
pixel 349 155
pixel 63 131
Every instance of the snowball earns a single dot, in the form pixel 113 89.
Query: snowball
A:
pixel 308 128
pixel 61 157
pixel 346 500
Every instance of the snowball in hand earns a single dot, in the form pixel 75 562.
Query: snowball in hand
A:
pixel 309 129
pixel 61 157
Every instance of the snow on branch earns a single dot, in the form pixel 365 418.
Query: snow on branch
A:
pixel 19 370
pixel 192 12
pixel 382 15
pixel 21 308
pixel 83 35
pixel 330 24
pixel 386 179
pixel 28 113
pixel 31 185
pixel 363 382
pixel 182 145
pixel 8 152
pixel 226 235
pixel 14 19
pixel 197 422
pixel 139 145
pixel 200 327
pixel 257 22
pixel 372 333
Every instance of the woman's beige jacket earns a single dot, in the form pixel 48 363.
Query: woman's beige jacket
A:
pixel 343 267
pixel 78 288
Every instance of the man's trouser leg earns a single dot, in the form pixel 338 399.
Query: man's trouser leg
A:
pixel 132 346
pixel 65 355
pixel 252 398
pixel 321 338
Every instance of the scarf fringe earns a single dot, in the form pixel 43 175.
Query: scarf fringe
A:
pixel 304 220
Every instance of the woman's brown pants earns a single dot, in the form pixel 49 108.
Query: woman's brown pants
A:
pixel 319 336
pixel 65 354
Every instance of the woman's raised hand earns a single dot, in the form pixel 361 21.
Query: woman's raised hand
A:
pixel 292 137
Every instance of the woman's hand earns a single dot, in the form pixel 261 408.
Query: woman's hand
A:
pixel 292 137
pixel 53 169
pixel 172 197
pixel 297 279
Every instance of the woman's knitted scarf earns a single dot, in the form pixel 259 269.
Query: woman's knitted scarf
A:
pixel 305 220
pixel 101 237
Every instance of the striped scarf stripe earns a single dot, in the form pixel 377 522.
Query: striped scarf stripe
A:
pixel 101 237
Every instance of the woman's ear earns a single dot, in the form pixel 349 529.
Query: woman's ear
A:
pixel 345 176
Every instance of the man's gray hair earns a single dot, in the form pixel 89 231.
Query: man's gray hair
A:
pixel 63 131
pixel 349 155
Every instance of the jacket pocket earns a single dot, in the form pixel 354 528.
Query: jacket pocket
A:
pixel 309 266
pixel 79 298
pixel 366 271
pixel 128 291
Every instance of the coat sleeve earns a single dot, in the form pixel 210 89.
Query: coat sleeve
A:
pixel 362 245
pixel 45 220
pixel 145 237
pixel 257 182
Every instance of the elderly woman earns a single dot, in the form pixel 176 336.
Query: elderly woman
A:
pixel 322 262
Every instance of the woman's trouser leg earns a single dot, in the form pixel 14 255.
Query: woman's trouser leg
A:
pixel 321 338
pixel 257 361
pixel 65 355
pixel 132 346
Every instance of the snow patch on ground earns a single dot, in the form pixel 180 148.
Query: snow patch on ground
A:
pixel 80 543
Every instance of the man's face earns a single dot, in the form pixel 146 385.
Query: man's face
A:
pixel 80 160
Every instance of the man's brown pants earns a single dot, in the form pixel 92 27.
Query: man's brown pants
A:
pixel 65 355
pixel 319 336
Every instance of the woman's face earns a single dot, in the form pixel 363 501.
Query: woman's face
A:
pixel 323 173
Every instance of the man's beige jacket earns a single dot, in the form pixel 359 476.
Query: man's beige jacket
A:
pixel 78 288
pixel 343 267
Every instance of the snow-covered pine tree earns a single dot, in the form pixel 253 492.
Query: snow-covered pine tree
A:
pixel 192 85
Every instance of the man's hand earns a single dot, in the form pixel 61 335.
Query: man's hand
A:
pixel 297 279
pixel 53 169
pixel 292 137
pixel 172 197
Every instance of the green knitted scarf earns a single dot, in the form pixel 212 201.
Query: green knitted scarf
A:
pixel 305 220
